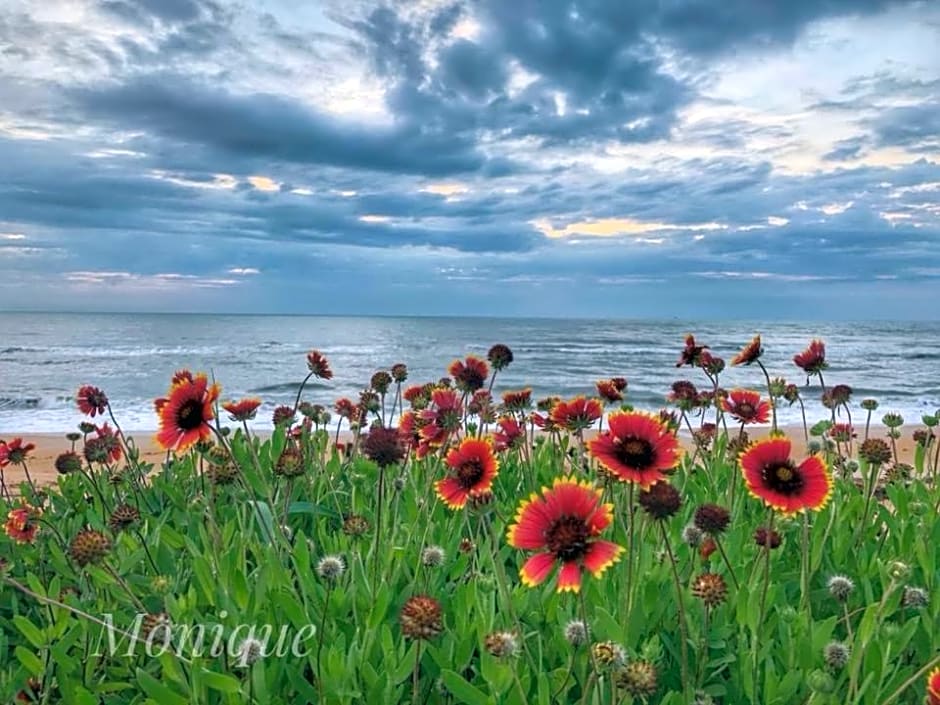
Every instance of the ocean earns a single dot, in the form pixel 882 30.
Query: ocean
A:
pixel 44 358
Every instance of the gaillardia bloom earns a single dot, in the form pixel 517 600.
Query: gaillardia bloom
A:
pixel 473 465
pixel 771 476
pixel 637 448
pixel 692 352
pixel 243 409
pixel 15 452
pixel 749 353
pixel 608 391
pixel 186 412
pixel 318 365
pixel 469 374
pixel 576 415
pixel 91 400
pixel 563 525
pixel 746 406
pixel 933 687
pixel 22 523
pixel 813 359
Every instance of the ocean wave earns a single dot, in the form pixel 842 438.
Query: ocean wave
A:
pixel 10 351
pixel 286 387
pixel 20 402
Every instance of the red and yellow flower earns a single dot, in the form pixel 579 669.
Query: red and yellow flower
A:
pixel 637 448
pixel 469 374
pixel 608 391
pixel 563 525
pixel 22 523
pixel 243 409
pixel 813 359
pixel 186 411
pixel 771 476
pixel 749 353
pixel 15 452
pixel 91 400
pixel 110 442
pixel 933 687
pixel 510 433
pixel 473 466
pixel 692 352
pixel 746 406
pixel 577 414
pixel 318 365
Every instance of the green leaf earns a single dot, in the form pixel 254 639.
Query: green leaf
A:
pixel 462 690
pixel 32 633
pixel 221 682
pixel 156 690
pixel 29 660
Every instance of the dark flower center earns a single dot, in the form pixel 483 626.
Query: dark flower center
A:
pixel 635 452
pixel 189 416
pixel 783 478
pixel 470 473
pixel 745 410
pixel 567 538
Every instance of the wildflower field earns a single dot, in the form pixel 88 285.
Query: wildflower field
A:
pixel 454 542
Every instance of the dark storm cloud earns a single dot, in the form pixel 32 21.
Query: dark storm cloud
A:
pixel 264 126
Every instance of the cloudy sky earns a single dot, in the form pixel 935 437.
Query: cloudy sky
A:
pixel 634 158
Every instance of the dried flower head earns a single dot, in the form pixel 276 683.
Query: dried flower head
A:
pixel 840 587
pixel 638 678
pixel 875 451
pixel 283 416
pixel 290 463
pixel 767 537
pixel 608 653
pixel 399 372
pixel 661 501
pixel 501 644
pixel 381 381
pixel 421 617
pixel 500 356
pixel 355 525
pixel 383 446
pixel 432 556
pixel 123 517
pixel 692 535
pixel 249 652
pixel 914 597
pixel 836 655
pixel 68 462
pixel 576 632
pixel 710 588
pixel 89 547
pixel 331 568
pixel 712 519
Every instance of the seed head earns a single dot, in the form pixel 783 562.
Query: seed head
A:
pixel 840 587
pixel 500 356
pixel 290 463
pixel 331 568
pixel 836 655
pixel 769 538
pixel 869 404
pixel 608 653
pixel 123 517
pixel 638 678
pixel 156 627
pixel 68 462
pixel 915 597
pixel 692 535
pixel 576 632
pixel 249 651
pixel 875 451
pixel 712 519
pixel 432 556
pixel 399 372
pixel 710 588
pixel 89 547
pixel 383 446
pixel 661 501
pixel 501 644
pixel 421 617
pixel 355 525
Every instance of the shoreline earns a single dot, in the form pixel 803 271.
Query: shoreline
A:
pixel 49 445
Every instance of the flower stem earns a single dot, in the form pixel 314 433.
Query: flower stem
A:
pixel 755 648
pixel 326 604
pixel 680 603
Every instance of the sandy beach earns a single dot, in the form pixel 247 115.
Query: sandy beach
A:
pixel 50 445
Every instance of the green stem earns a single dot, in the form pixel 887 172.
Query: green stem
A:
pixel 680 603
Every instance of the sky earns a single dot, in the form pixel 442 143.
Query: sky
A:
pixel 618 158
